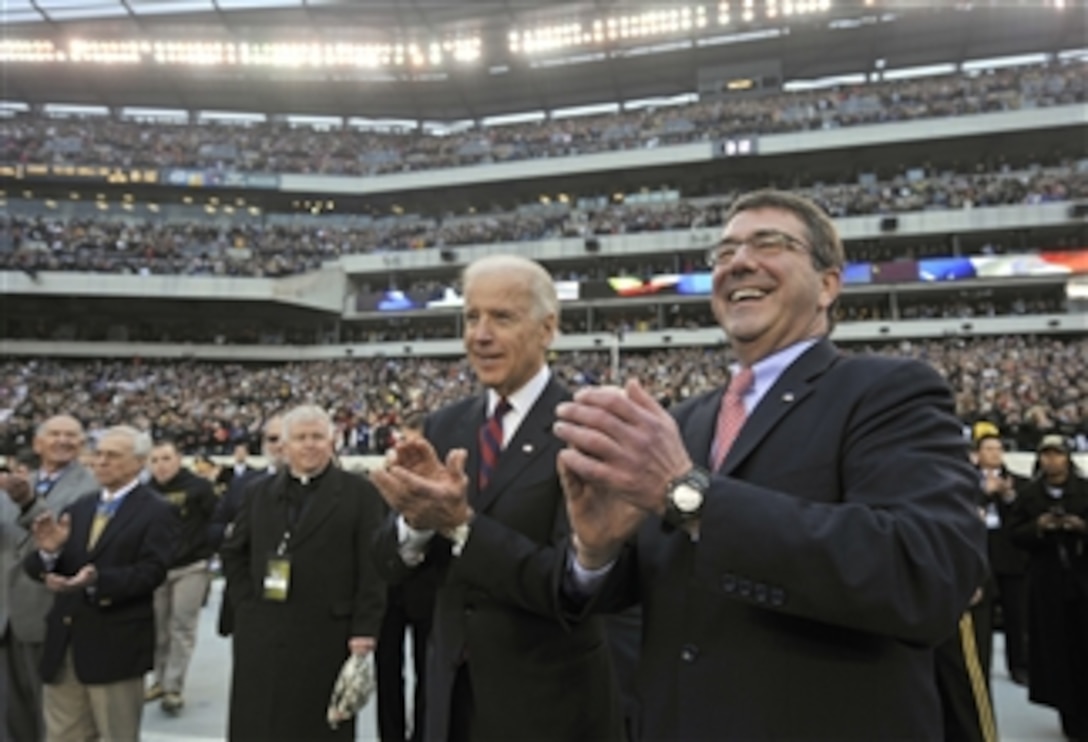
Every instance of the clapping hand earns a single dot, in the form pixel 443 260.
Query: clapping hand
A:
pixel 84 578
pixel 51 534
pixel 430 494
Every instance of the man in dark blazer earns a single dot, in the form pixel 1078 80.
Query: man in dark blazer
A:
pixel 304 588
pixel 795 589
pixel 57 482
pixel 409 610
pixel 998 490
pixel 103 558
pixel 231 501
pixel 487 521
pixel 238 468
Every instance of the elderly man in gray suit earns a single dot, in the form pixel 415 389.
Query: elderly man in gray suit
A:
pixel 60 481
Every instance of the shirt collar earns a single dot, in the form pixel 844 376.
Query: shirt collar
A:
pixel 767 370
pixel 107 496
pixel 524 398
pixel 57 474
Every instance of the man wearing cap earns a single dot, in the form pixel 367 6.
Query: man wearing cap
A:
pixel 1050 520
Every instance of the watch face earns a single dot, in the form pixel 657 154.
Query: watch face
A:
pixel 686 498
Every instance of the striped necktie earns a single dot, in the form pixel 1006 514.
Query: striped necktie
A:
pixel 102 516
pixel 491 443
pixel 731 416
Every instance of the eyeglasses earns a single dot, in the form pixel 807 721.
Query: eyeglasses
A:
pixel 766 243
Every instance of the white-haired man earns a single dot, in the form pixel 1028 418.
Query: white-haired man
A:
pixel 303 586
pixel 58 482
pixel 102 558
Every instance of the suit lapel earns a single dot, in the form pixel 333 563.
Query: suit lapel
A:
pixel 81 514
pixel 467 437
pixel 533 438
pixel 792 386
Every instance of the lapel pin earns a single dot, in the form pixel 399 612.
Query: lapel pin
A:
pixel 787 397
pixel 527 448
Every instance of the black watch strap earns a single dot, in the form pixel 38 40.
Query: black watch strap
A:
pixel 682 506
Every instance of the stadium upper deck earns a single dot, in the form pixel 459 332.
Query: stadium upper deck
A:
pixel 1025 115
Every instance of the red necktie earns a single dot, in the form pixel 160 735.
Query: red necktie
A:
pixel 491 443
pixel 731 416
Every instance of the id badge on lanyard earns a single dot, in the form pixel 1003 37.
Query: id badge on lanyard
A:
pixel 277 573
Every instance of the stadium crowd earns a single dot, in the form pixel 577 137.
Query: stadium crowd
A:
pixel 281 148
pixel 41 242
pixel 1026 385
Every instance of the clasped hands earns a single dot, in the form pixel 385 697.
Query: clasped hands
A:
pixel 431 495
pixel 623 451
pixel 1064 522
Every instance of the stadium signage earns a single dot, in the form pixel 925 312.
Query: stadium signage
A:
pixel 699 283
pixel 83 173
pixel 212 178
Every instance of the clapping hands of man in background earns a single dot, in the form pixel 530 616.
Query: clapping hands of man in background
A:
pixel 50 535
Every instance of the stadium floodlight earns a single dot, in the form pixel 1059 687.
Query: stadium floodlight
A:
pixel 460 49
pixel 599 31
pixel 28 50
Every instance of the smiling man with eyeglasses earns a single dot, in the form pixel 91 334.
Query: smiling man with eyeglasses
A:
pixel 800 540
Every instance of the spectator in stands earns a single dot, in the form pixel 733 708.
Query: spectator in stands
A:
pixel 275 147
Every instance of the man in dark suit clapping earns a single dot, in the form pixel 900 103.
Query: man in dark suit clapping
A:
pixel 480 508
pixel 802 538
pixel 103 558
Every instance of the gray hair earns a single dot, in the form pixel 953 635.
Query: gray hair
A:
pixel 141 441
pixel 545 299
pixel 307 413
pixel 40 430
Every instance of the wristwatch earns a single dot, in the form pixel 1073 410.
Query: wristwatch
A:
pixel 685 496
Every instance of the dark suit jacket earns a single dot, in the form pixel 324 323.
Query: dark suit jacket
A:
pixel 230 504
pixel 838 544
pixel 497 601
pixel 1006 558
pixel 287 655
pixel 1058 581
pixel 227 475
pixel 111 630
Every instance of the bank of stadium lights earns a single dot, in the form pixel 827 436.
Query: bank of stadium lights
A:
pixel 466 49
pixel 575 34
pixel 684 20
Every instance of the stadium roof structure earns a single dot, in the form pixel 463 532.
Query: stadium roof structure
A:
pixel 449 61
